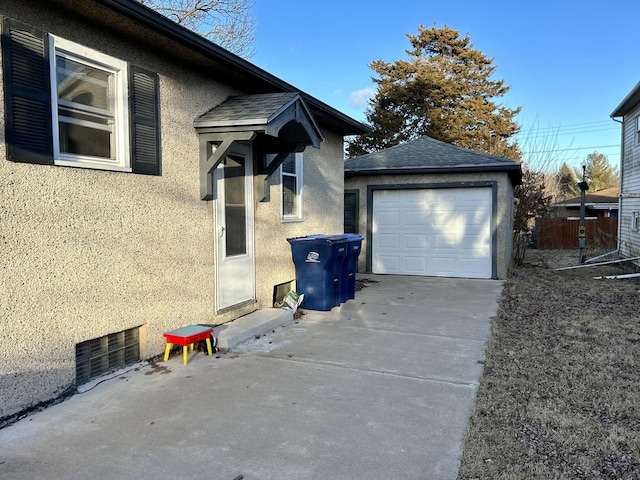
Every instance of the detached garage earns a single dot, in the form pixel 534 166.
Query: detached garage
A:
pixel 430 208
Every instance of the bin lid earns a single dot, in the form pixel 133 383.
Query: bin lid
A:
pixel 319 238
pixel 353 237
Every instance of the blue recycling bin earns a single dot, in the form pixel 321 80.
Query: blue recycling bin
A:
pixel 350 267
pixel 318 261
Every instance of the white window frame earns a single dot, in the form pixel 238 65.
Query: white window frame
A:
pixel 121 157
pixel 298 215
pixel 635 221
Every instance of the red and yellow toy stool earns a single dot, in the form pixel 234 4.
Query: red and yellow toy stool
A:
pixel 187 336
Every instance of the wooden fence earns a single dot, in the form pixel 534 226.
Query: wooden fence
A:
pixel 560 233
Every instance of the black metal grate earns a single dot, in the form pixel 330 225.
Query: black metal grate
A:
pixel 105 354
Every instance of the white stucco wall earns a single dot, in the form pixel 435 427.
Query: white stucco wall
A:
pixel 504 220
pixel 87 253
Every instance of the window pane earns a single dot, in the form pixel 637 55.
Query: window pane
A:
pixel 85 140
pixel 289 190
pixel 82 84
pixel 289 164
pixel 235 208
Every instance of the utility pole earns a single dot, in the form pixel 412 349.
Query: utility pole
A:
pixel 582 235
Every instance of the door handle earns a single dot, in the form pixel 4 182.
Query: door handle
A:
pixel 221 229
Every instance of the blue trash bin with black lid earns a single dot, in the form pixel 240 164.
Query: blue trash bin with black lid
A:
pixel 318 262
pixel 350 267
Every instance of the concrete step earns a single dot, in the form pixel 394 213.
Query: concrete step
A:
pixel 249 326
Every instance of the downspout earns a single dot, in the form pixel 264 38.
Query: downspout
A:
pixel 621 122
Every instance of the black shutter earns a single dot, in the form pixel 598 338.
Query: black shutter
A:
pixel 145 121
pixel 27 93
pixel 351 205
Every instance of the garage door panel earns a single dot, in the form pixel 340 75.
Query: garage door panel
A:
pixel 437 232
pixel 418 197
pixel 416 266
pixel 443 266
pixel 415 241
pixel 471 197
pixel 444 221
pixel 386 198
pixel 387 264
pixel 471 268
pixel 389 219
pixel 415 219
pixel 474 244
pixel 445 196
pixel 389 241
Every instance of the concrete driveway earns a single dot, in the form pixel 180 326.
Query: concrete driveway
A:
pixel 380 388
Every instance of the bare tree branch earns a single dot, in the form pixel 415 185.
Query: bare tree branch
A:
pixel 228 23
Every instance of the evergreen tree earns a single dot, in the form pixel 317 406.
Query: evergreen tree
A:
pixel 443 90
pixel 567 182
pixel 599 173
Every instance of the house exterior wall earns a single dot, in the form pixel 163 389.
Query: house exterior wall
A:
pixel 629 185
pixel 87 252
pixel 323 200
pixel 504 207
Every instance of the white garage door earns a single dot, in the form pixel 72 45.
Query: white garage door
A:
pixel 443 232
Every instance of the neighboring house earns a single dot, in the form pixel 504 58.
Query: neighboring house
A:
pixel 602 203
pixel 629 215
pixel 431 208
pixel 149 180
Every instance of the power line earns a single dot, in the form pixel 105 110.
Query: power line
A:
pixel 575 126
pixel 571 149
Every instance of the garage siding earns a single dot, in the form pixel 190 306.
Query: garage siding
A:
pixel 434 232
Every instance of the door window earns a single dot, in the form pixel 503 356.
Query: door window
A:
pixel 235 206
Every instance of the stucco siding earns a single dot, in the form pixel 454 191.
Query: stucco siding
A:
pixel 323 202
pixel 504 207
pixel 87 253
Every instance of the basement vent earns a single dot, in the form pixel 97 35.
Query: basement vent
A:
pixel 281 290
pixel 105 354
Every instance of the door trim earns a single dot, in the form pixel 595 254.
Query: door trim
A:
pixel 244 151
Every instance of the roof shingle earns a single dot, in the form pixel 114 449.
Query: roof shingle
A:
pixel 428 154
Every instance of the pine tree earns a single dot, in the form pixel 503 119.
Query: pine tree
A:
pixel 599 173
pixel 444 90
pixel 567 182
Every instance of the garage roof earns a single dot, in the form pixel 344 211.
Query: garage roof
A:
pixel 428 155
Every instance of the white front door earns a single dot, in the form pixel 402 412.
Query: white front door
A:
pixel 235 260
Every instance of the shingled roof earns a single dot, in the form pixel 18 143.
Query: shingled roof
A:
pixel 248 108
pixel 607 195
pixel 428 155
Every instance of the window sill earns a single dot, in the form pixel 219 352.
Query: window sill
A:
pixel 92 165
pixel 291 219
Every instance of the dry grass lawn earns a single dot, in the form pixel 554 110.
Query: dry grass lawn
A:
pixel 560 393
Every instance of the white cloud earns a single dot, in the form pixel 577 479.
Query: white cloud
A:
pixel 359 98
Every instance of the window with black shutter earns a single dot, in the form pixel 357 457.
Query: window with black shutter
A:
pixel 71 105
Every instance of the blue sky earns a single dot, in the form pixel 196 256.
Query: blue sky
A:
pixel 568 63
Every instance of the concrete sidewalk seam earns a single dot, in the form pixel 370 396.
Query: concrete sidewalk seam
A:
pixel 356 327
pixel 367 370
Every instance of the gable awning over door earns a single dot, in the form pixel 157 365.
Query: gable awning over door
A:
pixel 275 123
